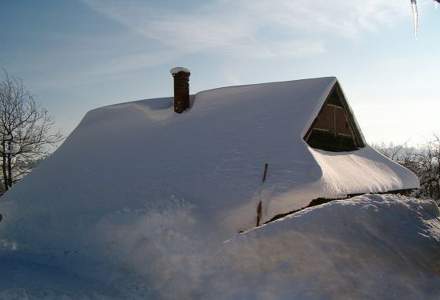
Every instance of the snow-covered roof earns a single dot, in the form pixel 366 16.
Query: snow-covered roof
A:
pixel 141 155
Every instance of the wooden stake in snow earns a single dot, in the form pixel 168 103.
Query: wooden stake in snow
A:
pixel 260 204
pixel 266 166
pixel 259 212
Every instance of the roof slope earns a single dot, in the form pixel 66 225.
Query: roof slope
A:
pixel 141 155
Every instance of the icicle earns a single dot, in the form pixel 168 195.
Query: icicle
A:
pixel 415 14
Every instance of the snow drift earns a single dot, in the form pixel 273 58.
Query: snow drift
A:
pixel 367 247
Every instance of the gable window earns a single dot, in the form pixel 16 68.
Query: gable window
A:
pixel 334 128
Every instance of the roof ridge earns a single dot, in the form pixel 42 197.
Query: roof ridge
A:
pixel 265 83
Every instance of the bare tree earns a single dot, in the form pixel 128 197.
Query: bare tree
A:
pixel 424 161
pixel 26 131
pixel 429 167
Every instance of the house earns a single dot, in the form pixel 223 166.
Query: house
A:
pixel 207 154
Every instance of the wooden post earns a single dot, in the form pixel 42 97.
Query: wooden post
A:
pixel 259 213
pixel 266 166
pixel 260 204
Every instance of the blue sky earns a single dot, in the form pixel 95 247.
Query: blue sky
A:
pixel 81 54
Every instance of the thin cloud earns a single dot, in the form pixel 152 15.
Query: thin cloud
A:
pixel 226 25
pixel 262 30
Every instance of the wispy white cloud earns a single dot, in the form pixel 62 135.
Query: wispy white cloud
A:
pixel 336 18
pixel 264 29
pixel 246 25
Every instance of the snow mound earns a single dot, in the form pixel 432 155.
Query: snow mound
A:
pixel 367 247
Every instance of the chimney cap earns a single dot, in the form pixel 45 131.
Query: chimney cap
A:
pixel 176 70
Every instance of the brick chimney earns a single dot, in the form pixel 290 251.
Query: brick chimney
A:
pixel 181 88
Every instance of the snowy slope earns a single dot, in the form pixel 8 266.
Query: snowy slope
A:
pixel 367 247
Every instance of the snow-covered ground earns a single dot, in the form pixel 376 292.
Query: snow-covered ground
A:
pixel 367 247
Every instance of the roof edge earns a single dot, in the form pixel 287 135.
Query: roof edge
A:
pixel 333 78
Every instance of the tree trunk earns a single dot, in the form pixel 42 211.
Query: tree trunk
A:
pixel 9 170
pixel 5 175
